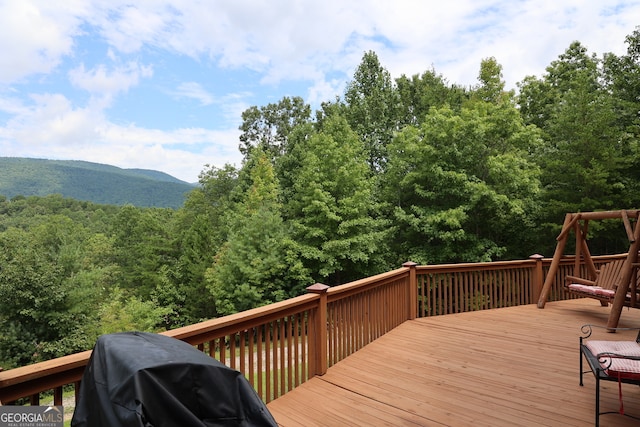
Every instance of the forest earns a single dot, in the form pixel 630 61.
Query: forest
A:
pixel 396 169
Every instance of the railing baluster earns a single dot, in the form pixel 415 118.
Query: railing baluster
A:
pixel 291 364
pixel 222 350
pixel 232 350
pixel 251 335
pixel 243 351
pixel 57 396
pixel 268 362
pixel 283 364
pixel 296 332
pixel 259 340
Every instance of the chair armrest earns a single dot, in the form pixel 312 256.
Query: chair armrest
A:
pixel 580 280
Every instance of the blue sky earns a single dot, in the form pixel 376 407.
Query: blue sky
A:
pixel 162 84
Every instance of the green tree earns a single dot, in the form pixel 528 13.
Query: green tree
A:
pixel 621 75
pixel 256 265
pixel 142 245
pixel 539 98
pixel 421 92
pixel 585 159
pixel 269 126
pixel 331 204
pixel 460 186
pixel 200 228
pixel 372 108
pixel 122 312
pixel 45 311
pixel 491 87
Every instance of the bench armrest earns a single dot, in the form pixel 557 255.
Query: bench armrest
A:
pixel 580 280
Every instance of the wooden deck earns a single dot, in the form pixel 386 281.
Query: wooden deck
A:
pixel 513 366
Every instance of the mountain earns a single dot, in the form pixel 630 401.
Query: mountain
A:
pixel 94 182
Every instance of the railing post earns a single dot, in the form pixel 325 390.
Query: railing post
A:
pixel 538 277
pixel 319 336
pixel 412 290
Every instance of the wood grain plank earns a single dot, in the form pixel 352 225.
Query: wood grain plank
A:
pixel 501 367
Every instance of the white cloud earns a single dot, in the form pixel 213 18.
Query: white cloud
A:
pixel 36 35
pixel 195 91
pixel 128 26
pixel 100 80
pixel 290 39
pixel 171 152
pixel 51 122
pixel 323 90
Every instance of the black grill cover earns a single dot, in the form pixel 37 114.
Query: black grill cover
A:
pixel 151 380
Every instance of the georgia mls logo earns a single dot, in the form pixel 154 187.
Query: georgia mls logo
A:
pixel 31 416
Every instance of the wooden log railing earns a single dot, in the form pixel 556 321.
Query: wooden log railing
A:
pixel 282 345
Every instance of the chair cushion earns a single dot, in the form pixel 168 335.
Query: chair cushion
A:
pixel 586 288
pixel 609 293
pixel 594 290
pixel 615 366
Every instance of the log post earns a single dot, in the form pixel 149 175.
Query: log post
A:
pixel 569 220
pixel 623 287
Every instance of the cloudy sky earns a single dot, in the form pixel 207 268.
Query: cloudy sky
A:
pixel 161 84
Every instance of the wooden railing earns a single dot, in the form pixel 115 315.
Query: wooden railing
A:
pixel 282 345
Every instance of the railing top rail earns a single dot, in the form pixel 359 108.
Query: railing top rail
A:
pixel 43 369
pixel 602 258
pixel 497 265
pixel 475 266
pixel 244 319
pixel 337 292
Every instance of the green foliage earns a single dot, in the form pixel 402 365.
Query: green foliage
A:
pixel 269 127
pixel 198 232
pixel 331 205
pixel 60 268
pixel 372 108
pixel 130 313
pixel 447 177
pixel 621 75
pixel 421 92
pixel 491 88
pixel 142 242
pixel 39 304
pixel 256 265
pixel 589 153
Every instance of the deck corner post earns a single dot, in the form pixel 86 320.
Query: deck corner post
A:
pixel 412 290
pixel 319 336
pixel 538 277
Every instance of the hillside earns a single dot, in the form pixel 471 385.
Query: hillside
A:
pixel 92 182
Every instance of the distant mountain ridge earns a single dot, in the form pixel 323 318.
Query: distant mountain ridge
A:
pixel 93 182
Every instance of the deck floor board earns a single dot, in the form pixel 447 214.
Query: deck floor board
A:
pixel 502 367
